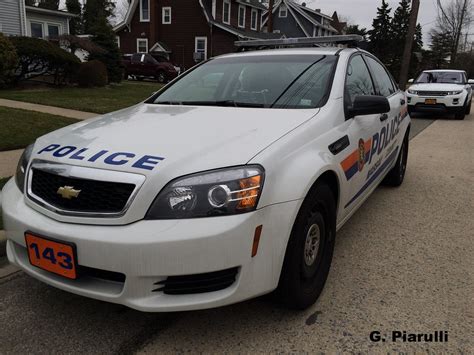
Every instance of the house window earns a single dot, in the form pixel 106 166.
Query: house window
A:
pixel 200 46
pixel 253 19
pixel 142 45
pixel 144 10
pixel 226 12
pixel 213 9
pixel 117 40
pixel 53 31
pixel 36 30
pixel 166 15
pixel 283 11
pixel 242 16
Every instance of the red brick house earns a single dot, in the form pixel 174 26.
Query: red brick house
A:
pixel 188 31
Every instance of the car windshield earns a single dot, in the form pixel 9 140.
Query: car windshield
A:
pixel 263 81
pixel 443 77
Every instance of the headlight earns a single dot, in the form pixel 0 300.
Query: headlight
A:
pixel 21 167
pixel 413 92
pixel 454 92
pixel 211 193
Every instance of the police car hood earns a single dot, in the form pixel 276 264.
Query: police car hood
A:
pixel 437 87
pixel 187 139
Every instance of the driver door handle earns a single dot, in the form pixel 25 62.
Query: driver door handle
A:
pixel 383 117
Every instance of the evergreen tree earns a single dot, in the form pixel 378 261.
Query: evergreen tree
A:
pixel 49 4
pixel 75 24
pixel 440 49
pixel 356 30
pixel 95 12
pixel 380 34
pixel 104 36
pixel 399 29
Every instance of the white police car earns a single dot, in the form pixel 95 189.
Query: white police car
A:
pixel 442 90
pixel 228 183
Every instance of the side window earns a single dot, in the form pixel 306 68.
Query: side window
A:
pixel 384 83
pixel 136 58
pixel 358 80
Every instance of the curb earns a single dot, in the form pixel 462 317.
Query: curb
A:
pixel 3 243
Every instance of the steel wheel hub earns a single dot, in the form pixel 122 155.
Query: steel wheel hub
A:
pixel 313 239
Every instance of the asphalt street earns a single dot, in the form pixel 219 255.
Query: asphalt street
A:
pixel 403 262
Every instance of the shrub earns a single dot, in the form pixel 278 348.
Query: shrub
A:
pixel 8 61
pixel 93 73
pixel 39 57
pixel 105 38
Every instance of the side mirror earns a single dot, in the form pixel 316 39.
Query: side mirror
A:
pixel 471 81
pixel 369 105
pixel 411 81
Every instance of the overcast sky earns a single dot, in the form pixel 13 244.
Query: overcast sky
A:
pixel 362 12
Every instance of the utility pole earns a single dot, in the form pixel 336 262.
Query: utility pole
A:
pixel 415 6
pixel 270 16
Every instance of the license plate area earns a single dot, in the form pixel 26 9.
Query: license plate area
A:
pixel 52 255
pixel 430 101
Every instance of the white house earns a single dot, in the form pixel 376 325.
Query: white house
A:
pixel 17 19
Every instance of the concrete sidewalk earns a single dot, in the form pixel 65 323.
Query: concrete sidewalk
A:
pixel 78 115
pixel 8 162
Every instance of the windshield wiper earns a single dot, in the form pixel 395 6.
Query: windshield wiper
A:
pixel 168 102
pixel 226 103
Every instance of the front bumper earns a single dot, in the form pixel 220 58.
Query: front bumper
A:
pixel 449 104
pixel 147 252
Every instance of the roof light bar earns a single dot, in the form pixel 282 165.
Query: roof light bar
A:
pixel 301 41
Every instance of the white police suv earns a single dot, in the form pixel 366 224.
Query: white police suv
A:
pixel 443 90
pixel 228 183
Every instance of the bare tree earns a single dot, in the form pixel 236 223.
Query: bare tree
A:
pixel 453 19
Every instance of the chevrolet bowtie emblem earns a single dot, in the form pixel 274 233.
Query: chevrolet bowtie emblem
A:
pixel 68 192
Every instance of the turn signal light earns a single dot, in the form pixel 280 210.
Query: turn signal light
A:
pixel 249 192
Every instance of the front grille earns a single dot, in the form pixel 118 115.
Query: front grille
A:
pixel 94 197
pixel 432 93
pixel 197 283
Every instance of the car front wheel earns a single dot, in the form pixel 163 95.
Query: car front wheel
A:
pixel 310 249
pixel 468 107
pixel 397 174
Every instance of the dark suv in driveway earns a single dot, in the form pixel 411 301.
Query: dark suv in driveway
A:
pixel 144 65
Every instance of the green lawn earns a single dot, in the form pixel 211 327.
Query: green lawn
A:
pixel 18 128
pixel 3 181
pixel 99 100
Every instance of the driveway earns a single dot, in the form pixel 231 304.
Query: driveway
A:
pixel 404 262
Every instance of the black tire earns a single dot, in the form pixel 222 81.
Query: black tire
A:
pixel 397 174
pixel 305 270
pixel 460 114
pixel 160 77
pixel 468 107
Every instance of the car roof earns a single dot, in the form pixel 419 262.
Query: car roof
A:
pixel 287 51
